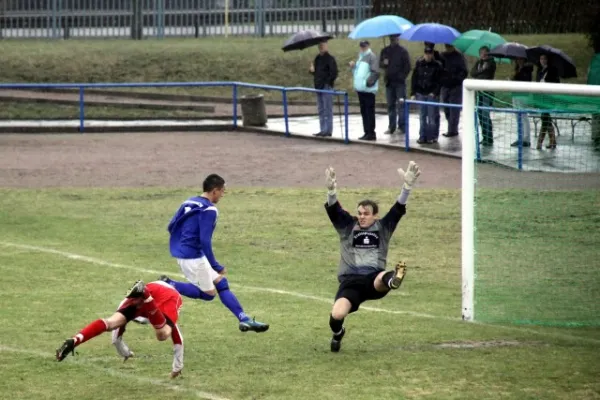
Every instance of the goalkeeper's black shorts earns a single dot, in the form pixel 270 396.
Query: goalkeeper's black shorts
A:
pixel 358 289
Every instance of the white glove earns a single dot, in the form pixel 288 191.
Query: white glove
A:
pixel 331 180
pixel 411 174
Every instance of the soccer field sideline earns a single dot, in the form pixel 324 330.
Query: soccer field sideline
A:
pixel 96 261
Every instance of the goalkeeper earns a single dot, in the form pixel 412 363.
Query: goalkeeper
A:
pixel 364 241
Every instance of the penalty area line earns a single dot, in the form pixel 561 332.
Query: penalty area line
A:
pixel 97 261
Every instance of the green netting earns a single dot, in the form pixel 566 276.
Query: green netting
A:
pixel 559 103
pixel 537 229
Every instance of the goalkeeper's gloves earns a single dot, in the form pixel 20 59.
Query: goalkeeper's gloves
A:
pixel 331 182
pixel 410 176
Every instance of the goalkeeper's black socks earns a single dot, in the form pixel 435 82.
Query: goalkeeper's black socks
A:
pixel 388 278
pixel 336 325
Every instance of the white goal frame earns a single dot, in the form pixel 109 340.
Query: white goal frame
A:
pixel 470 89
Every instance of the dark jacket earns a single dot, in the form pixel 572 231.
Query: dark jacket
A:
pixel 398 67
pixel 484 69
pixel 438 57
pixel 455 69
pixel 326 71
pixel 549 74
pixel 523 74
pixel 426 77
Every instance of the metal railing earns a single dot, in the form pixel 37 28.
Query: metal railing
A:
pixel 233 85
pixel 138 19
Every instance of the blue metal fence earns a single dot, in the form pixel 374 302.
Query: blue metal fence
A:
pixel 233 85
pixel 138 19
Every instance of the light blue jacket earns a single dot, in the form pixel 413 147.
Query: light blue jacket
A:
pixel 366 64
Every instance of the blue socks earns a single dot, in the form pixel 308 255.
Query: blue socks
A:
pixel 230 301
pixel 190 290
pixel 225 295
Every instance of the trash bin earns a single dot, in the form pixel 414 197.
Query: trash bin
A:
pixel 254 112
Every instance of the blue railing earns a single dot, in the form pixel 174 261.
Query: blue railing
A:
pixel 234 85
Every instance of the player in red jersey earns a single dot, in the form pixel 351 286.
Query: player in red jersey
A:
pixel 157 301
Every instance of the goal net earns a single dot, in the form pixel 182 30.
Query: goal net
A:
pixel 531 203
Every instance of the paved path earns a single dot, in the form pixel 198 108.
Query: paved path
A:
pixel 572 154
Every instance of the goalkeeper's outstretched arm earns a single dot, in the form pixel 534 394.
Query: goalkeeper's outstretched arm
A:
pixel 391 219
pixel 339 217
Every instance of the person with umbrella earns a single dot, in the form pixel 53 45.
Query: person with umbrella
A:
pixel 395 61
pixel 365 72
pixel 485 68
pixel 325 71
pixel 523 72
pixel 455 72
pixel 547 73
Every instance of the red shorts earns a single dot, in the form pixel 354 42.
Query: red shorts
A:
pixel 166 298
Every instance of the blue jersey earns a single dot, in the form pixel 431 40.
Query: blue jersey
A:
pixel 191 230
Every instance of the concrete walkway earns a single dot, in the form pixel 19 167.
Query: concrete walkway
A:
pixel 572 155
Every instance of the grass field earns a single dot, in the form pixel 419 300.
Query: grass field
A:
pixel 213 59
pixel 281 254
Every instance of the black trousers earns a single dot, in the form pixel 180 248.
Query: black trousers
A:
pixel 367 111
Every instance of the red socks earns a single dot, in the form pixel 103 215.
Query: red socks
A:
pixel 92 330
pixel 155 316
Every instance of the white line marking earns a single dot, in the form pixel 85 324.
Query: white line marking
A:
pixel 98 261
pixel 118 374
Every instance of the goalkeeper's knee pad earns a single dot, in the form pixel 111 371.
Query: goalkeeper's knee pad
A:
pixel 222 285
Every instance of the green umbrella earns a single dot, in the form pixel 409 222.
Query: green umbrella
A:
pixel 470 42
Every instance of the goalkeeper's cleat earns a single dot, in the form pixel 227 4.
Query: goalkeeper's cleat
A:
pixel 336 341
pixel 67 347
pixel 253 325
pixel 165 279
pixel 399 273
pixel 136 291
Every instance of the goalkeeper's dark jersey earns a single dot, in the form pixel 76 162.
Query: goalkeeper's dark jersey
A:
pixel 363 251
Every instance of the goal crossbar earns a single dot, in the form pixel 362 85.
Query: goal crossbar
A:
pixel 470 89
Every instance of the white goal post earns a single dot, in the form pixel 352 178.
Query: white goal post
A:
pixel 470 89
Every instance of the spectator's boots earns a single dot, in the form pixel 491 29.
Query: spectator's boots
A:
pixel 552 137
pixel 540 141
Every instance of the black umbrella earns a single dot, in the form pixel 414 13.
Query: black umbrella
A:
pixel 562 62
pixel 304 39
pixel 510 50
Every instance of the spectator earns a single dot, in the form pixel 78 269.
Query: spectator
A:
pixel 395 61
pixel 523 73
pixel 455 72
pixel 485 68
pixel 425 86
pixel 547 73
pixel 325 72
pixel 436 54
pixel 593 77
pixel 365 73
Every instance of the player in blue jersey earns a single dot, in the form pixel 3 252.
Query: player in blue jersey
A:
pixel 191 230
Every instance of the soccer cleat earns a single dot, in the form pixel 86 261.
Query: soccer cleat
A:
pixel 164 278
pixel 399 273
pixel 336 341
pixel 136 291
pixel 67 347
pixel 253 325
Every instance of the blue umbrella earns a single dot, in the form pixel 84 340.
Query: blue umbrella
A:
pixel 431 32
pixel 382 25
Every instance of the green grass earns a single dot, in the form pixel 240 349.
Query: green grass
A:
pixel 31 110
pixel 255 60
pixel 278 239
